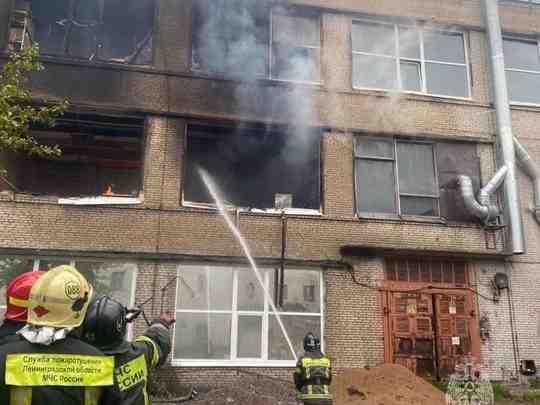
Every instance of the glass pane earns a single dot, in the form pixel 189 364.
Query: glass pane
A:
pixel 419 206
pixel 374 38
pixel 374 71
pixel 444 47
pixel 409 43
pixel 303 291
pixel 204 287
pixel 112 279
pixel 250 293
pixel 521 55
pixel 11 267
pixel 297 327
pixel 296 30
pixel 370 147
pixel 300 64
pixel 411 76
pixel 416 169
pixel 47 264
pixel 249 336
pixel 447 80
pixel 202 336
pixel 523 87
pixel 375 186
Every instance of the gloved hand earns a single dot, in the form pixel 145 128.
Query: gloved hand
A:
pixel 167 319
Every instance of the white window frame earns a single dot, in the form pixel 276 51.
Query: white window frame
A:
pixel 263 361
pixel 398 59
pixel 271 47
pixel 534 72
pixel 397 193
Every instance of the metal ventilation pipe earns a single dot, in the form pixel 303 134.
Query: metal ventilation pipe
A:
pixel 504 124
pixel 532 170
pixel 483 209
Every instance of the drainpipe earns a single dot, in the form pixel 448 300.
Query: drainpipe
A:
pixel 482 208
pixel 532 170
pixel 504 125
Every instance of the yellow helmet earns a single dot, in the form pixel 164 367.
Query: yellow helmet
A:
pixel 59 299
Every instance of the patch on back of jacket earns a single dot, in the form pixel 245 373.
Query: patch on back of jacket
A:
pixel 44 369
pixel 131 373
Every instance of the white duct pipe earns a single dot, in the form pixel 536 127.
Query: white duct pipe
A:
pixel 504 124
pixel 532 170
pixel 482 208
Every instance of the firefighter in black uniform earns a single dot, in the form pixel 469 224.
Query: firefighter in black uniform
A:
pixel 17 293
pixel 105 327
pixel 313 374
pixel 48 365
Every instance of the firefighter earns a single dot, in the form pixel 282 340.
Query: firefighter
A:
pixel 105 327
pixel 313 374
pixel 49 365
pixel 17 293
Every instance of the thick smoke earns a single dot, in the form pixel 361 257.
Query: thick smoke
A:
pixel 233 38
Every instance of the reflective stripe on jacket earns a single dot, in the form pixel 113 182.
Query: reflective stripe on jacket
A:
pixel 134 362
pixel 312 377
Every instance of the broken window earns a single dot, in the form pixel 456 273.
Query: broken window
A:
pixel 448 272
pixel 522 62
pixel 261 169
pixel 395 176
pixel 108 30
pixel 223 316
pixel 296 46
pixel 101 156
pixel 388 56
pixel 230 36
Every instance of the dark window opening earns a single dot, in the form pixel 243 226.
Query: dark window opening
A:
pixel 231 36
pixel 108 30
pixel 395 176
pixel 100 157
pixel 251 167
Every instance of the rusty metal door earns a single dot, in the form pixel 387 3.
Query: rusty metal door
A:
pixel 454 314
pixel 429 332
pixel 412 332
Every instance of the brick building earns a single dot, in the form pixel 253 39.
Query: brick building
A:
pixel 335 130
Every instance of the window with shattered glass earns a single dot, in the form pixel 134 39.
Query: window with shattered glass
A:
pixel 413 59
pixel 403 177
pixel 522 63
pixel 230 37
pixel 296 46
pixel 107 30
pixel 223 315
pixel 101 156
pixel 254 168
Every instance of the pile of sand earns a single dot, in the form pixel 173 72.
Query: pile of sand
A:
pixel 389 384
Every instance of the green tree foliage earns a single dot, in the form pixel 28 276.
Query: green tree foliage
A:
pixel 17 111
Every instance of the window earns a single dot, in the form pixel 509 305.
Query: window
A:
pixel 426 271
pixel 223 316
pixel 254 168
pixel 100 157
pixel 296 47
pixel 230 36
pixel 236 37
pixel 103 275
pixel 397 176
pixel 522 62
pixel 108 30
pixel 387 56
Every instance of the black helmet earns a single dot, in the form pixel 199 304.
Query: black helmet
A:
pixel 105 323
pixel 311 343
